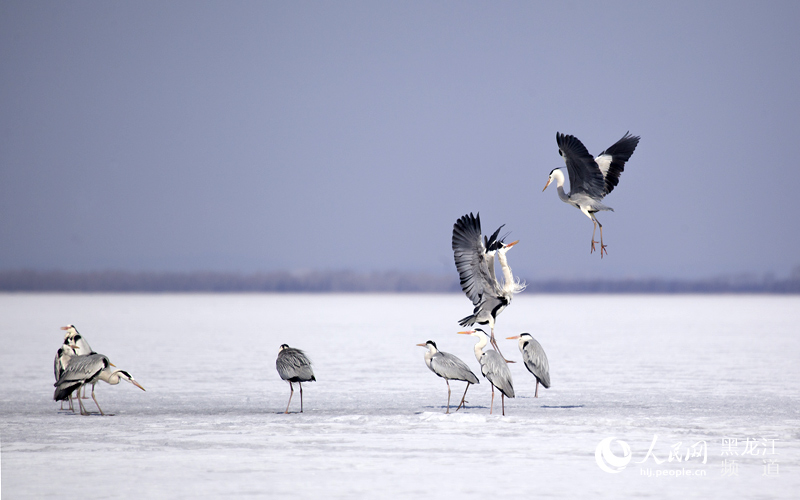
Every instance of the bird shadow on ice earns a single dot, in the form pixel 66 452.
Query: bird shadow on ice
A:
pixel 564 406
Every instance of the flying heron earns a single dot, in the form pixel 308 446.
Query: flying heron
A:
pixel 493 367
pixel 449 367
pixel 535 359
pixel 294 366
pixel 474 259
pixel 591 179
pixel 89 369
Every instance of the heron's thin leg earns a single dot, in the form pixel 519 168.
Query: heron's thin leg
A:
pixel 503 399
pixel 491 407
pixel 290 397
pixel 494 344
pixel 602 246
pixel 95 401
pixel 593 231
pixel 537 389
pixel 463 403
pixel 301 396
pixel 448 395
pixel 80 404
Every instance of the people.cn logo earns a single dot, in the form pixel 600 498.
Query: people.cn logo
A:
pixel 607 460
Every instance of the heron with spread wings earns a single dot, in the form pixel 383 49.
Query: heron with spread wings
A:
pixel 474 256
pixel 591 179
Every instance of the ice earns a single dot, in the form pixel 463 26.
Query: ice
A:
pixel 683 368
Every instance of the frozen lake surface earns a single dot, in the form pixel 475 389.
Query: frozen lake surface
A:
pixel 710 382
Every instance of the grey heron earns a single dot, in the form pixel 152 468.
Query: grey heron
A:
pixel 82 347
pixel 535 359
pixel 64 355
pixel 474 258
pixel 77 339
pixel 449 367
pixel 493 367
pixel 294 366
pixel 89 369
pixel 591 179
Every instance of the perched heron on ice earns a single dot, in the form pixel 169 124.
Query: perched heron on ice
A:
pixel 493 367
pixel 64 355
pixel 89 369
pixel 535 359
pixel 591 179
pixel 76 339
pixel 294 366
pixel 449 367
pixel 82 347
pixel 474 257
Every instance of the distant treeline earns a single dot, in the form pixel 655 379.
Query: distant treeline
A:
pixel 346 281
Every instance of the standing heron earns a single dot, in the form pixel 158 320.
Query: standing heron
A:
pixel 89 369
pixel 535 359
pixel 77 339
pixel 64 355
pixel 294 366
pixel 591 179
pixel 474 259
pixel 82 347
pixel 493 367
pixel 449 367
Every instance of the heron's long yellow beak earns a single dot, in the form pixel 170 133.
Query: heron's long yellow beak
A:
pixel 137 384
pixel 65 328
pixel 512 244
pixel 470 332
pixel 549 180
pixel 112 364
pixel 512 338
pixel 423 345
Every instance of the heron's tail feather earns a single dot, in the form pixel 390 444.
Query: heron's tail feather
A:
pixel 63 391
pixel 468 321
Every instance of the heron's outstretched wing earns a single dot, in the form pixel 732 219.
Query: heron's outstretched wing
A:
pixel 584 174
pixel 612 160
pixel 451 367
pixel 472 262
pixel 536 361
pixel 293 365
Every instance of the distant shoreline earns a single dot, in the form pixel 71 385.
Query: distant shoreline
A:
pixel 352 282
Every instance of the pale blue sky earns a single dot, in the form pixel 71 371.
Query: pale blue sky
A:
pixel 258 136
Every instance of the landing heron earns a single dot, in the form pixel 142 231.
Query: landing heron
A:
pixel 591 179
pixel 474 258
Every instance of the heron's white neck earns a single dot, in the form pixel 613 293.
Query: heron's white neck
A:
pixel 558 175
pixel 509 283
pixel 429 355
pixel 482 341
pixel 109 377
